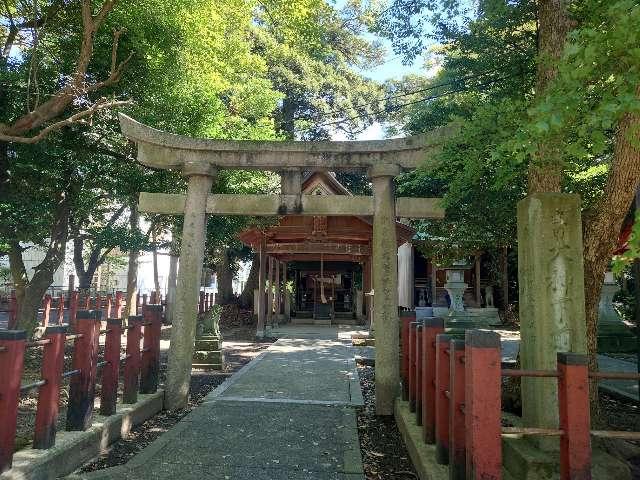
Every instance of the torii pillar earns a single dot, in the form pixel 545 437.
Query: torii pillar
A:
pixel 189 276
pixel 385 286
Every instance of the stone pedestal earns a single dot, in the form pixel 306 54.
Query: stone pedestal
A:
pixel 207 353
pixel 552 316
pixel 613 335
pixel 456 287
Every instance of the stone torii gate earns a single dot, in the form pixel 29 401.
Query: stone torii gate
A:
pixel 200 160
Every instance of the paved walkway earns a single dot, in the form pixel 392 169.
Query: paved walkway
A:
pixel 289 414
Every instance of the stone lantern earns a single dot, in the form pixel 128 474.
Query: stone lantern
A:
pixel 456 285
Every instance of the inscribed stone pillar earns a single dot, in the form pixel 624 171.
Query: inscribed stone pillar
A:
pixel 262 273
pixel 385 287
pixel 291 181
pixel 551 282
pixel 188 286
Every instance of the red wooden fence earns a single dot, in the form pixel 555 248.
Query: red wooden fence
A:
pixel 141 366
pixel 458 400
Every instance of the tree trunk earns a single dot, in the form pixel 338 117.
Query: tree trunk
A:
pixel 554 24
pixel 225 279
pixel 246 297
pixel 602 225
pixel 132 270
pixel 505 279
pixel 30 292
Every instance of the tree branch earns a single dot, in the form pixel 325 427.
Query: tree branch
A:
pixel 79 117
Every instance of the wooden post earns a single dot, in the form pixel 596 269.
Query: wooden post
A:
pixel 434 284
pixel 442 400
pixel 111 371
pixel 87 301
pixel 144 299
pixel 74 300
pixel 132 363
pixel 482 405
pixel 82 387
pixel 49 395
pixel 119 304
pixel 150 364
pixel 46 310
pixel 412 366
pixel 137 303
pixel 432 328
pixel 573 399
pixel 262 258
pixel 109 306
pixel 418 368
pixel 13 310
pixel 406 317
pixel 99 303
pixel 61 309
pixel 457 450
pixel 478 291
pixel 12 344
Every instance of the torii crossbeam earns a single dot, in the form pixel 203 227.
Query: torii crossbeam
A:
pixel 200 159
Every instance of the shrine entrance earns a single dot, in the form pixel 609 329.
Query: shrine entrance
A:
pixel 200 160
pixel 319 266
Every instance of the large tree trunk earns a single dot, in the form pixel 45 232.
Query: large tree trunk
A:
pixel 246 297
pixel 554 24
pixel 29 293
pixel 132 270
pixel 225 279
pixel 602 225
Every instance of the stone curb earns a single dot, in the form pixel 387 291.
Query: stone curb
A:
pixel 423 456
pixel 73 449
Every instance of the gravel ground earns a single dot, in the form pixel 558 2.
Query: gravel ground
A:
pixel 384 455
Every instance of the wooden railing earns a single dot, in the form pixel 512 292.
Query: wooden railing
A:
pixel 141 372
pixel 454 388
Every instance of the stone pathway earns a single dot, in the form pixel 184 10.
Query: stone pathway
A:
pixel 289 414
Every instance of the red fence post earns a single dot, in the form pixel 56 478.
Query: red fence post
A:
pixel 457 451
pixel 132 363
pixel 87 301
pixel 46 310
pixel 406 317
pixel 573 397
pixel 82 388
pixel 74 299
pixel 432 328
pixel 108 306
pixel 419 356
pixel 118 305
pixel 442 400
pixel 150 366
pixel 61 309
pixel 49 395
pixel 412 366
pixel 483 379
pixel 111 371
pixel 12 344
pixel 13 310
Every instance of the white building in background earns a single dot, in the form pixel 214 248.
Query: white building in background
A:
pixel 109 278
